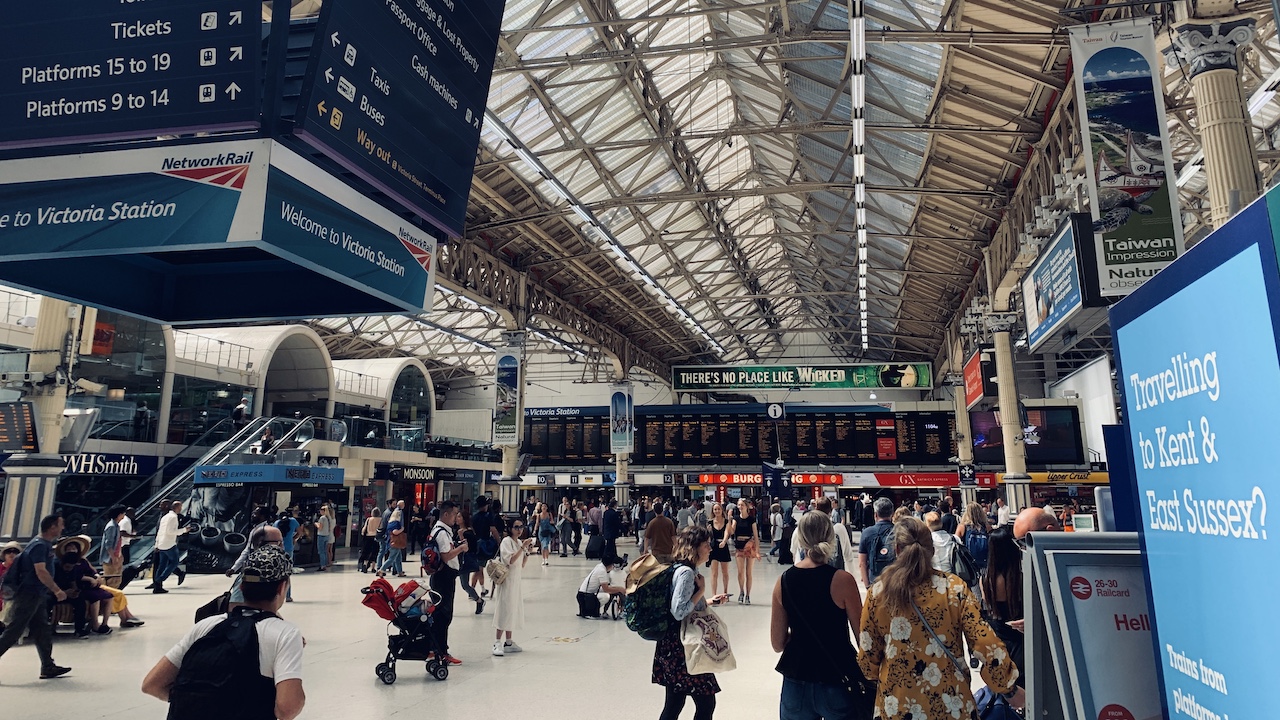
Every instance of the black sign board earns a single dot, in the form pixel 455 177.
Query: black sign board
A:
pixel 76 70
pixel 396 93
pixel 18 428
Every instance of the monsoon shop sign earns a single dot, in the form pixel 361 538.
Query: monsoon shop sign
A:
pixel 699 378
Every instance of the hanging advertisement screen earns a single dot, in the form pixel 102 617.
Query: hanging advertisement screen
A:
pixel 506 411
pixel 622 423
pixel 1051 290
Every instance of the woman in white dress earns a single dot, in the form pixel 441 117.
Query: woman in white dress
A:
pixel 509 596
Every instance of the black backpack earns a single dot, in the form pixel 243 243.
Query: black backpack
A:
pixel 837 558
pixel 219 677
pixel 882 552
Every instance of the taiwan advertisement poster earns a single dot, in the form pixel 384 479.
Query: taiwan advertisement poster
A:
pixel 506 411
pixel 1136 219
pixel 622 419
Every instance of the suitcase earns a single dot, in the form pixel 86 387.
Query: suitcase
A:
pixel 595 547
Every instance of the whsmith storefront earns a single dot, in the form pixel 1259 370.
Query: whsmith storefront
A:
pixel 92 482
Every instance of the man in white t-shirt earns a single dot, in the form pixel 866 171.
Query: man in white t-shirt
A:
pixel 280 643
pixel 597 584
pixel 1002 513
pixel 445 580
pixel 126 535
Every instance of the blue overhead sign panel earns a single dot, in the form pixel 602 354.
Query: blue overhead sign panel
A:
pixel 77 70
pixel 396 93
pixel 281 475
pixel 207 233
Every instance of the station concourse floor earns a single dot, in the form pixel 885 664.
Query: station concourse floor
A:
pixel 570 667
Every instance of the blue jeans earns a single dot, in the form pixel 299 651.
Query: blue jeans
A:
pixel 322 545
pixel 393 561
pixel 168 563
pixel 383 548
pixel 814 701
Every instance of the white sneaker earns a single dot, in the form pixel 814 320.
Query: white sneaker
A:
pixel 497 649
pixel 511 647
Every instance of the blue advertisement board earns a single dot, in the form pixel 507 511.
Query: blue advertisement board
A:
pixel 1198 366
pixel 1051 291
pixel 396 92
pixel 76 70
pixel 231 476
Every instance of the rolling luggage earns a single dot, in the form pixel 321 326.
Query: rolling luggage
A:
pixel 595 546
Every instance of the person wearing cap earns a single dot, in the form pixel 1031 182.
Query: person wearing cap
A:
pixel 597 584
pixel 266 581
pixel 83 585
pixel 28 585
pixel 9 553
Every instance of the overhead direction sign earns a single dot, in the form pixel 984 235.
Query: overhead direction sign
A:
pixel 77 70
pixel 396 93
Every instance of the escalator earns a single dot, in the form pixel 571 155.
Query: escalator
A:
pixel 175 482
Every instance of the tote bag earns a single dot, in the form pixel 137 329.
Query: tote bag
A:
pixel 706 643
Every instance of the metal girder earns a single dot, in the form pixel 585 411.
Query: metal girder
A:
pixel 735 193
pixel 468 269
pixel 508 64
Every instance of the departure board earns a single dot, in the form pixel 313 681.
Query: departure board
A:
pixel 593 446
pixel 18 428
pixel 573 441
pixel 849 438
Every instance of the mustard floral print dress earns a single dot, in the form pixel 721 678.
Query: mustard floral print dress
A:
pixel 917 680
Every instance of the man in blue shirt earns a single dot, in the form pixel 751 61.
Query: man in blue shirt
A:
pixel 31 582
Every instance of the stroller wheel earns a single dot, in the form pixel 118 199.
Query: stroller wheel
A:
pixel 388 677
pixel 432 664
pixel 441 672
pixel 380 669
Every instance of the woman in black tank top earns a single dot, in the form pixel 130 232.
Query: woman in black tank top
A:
pixel 746 543
pixel 815 605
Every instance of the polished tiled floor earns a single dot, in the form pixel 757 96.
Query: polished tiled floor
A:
pixel 569 668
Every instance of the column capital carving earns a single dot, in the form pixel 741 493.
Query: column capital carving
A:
pixel 1207 44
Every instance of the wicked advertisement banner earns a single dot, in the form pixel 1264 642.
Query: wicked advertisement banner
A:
pixel 849 376
pixel 1136 220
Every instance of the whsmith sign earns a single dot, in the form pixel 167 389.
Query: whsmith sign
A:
pixel 700 378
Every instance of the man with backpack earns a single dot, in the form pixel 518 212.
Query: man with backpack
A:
pixel 245 664
pixel 444 580
pixel 876 549
pixel 28 585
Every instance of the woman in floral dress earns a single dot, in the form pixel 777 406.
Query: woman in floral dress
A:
pixel 918 681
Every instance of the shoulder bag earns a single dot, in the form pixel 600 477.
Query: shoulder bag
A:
pixel 990 706
pixel 862 690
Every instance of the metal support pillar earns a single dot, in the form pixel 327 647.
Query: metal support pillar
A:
pixel 1017 481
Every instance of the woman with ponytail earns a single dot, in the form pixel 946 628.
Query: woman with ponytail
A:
pixel 914 624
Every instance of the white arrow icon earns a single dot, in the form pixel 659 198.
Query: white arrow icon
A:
pixel 236 17
pixel 334 38
pixel 328 74
pixel 237 53
pixel 233 90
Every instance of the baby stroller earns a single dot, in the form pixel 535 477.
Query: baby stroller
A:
pixel 409 610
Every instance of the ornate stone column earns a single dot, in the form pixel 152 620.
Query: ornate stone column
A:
pixel 1209 47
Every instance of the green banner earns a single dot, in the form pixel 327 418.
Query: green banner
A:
pixel 699 378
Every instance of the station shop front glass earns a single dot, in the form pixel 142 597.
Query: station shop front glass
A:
pixel 128 357
pixel 198 405
pixel 411 400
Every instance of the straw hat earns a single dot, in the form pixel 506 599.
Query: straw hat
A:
pixel 82 541
pixel 15 545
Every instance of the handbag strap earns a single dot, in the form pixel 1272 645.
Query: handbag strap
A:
pixel 844 676
pixel 936 639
